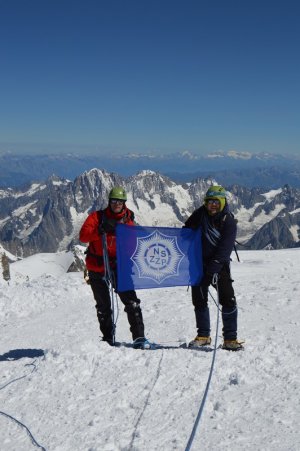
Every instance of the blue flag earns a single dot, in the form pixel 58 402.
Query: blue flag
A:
pixel 155 257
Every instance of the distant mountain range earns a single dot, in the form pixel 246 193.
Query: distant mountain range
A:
pixel 242 168
pixel 47 216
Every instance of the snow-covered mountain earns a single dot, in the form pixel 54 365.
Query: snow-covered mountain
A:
pixel 75 393
pixel 46 217
pixel 267 220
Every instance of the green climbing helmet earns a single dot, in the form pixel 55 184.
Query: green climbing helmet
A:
pixel 216 192
pixel 118 193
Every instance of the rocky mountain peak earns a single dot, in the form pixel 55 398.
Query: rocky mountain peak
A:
pixel 46 217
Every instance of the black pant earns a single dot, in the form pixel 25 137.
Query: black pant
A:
pixel 104 312
pixel 226 299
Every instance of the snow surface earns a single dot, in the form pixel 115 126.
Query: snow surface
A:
pixel 294 212
pixel 41 264
pixel 295 233
pixel 144 214
pixel 272 193
pixel 74 392
pixel 34 187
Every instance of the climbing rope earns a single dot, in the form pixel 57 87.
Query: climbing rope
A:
pixel 134 433
pixel 201 408
pixel 19 423
pixel 21 377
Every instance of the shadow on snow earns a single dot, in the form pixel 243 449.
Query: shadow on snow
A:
pixel 16 354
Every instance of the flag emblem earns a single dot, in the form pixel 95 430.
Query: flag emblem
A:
pixel 157 256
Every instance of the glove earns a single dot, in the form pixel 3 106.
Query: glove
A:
pixel 107 226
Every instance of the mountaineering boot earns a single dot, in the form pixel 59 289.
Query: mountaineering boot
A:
pixel 233 345
pixel 143 343
pixel 200 341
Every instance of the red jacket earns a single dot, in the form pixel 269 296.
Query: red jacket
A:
pixel 89 233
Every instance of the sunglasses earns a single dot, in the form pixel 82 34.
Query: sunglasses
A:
pixel 213 202
pixel 116 201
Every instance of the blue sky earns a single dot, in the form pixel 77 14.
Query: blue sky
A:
pixel 143 76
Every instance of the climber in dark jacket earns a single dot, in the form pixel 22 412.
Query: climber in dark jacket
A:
pixel 218 229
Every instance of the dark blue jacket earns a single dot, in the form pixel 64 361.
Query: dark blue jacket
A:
pixel 218 236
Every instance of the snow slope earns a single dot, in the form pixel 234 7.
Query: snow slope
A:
pixel 39 264
pixel 75 393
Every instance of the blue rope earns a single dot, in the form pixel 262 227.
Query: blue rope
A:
pixel 193 433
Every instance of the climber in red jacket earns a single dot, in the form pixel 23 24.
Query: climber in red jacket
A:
pixel 104 222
